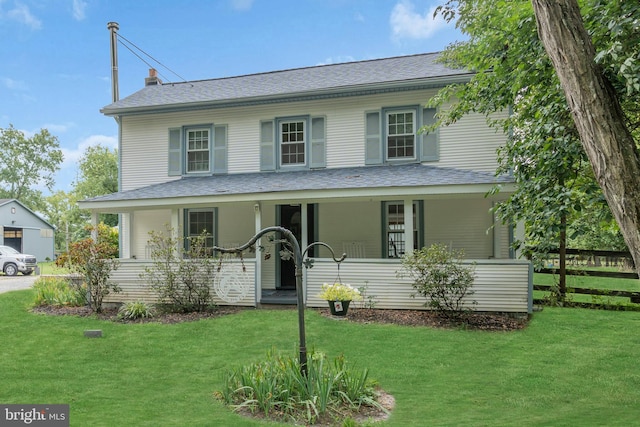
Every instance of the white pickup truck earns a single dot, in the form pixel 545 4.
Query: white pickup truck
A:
pixel 12 262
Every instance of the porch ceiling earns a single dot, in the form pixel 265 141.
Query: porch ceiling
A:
pixel 338 183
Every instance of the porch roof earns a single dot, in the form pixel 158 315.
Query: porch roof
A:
pixel 367 181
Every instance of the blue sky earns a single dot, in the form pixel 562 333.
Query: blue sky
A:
pixel 55 69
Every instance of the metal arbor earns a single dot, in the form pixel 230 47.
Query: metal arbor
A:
pixel 298 259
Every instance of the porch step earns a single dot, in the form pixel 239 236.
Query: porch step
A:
pixel 278 297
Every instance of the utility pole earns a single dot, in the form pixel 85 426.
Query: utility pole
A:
pixel 113 27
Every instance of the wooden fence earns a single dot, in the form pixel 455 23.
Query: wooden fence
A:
pixel 586 259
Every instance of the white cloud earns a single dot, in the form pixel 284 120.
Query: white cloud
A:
pixel 12 84
pixel 79 8
pixel 407 23
pixel 22 14
pixel 241 4
pixel 56 129
pixel 72 156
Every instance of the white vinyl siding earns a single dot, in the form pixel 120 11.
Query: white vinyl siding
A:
pixel 133 288
pixel 461 224
pixel 468 144
pixel 501 286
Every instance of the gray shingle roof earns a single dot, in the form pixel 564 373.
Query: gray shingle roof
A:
pixel 324 80
pixel 369 177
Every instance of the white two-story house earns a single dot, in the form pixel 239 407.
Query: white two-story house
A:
pixel 332 153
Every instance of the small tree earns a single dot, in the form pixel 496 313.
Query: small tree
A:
pixel 439 275
pixel 95 260
pixel 181 274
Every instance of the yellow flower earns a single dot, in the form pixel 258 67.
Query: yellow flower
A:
pixel 339 292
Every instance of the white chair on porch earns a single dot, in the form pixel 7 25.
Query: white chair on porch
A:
pixel 354 249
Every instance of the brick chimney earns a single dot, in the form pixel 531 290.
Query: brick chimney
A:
pixel 153 79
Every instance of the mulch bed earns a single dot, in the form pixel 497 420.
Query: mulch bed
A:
pixel 474 321
pixel 111 314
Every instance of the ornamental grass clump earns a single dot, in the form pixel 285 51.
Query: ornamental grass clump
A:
pixel 339 292
pixel 134 310
pixel 279 390
pixel 58 291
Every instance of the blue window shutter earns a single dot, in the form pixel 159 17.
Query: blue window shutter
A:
pixel 373 139
pixel 430 150
pixel 175 152
pixel 220 149
pixel 267 146
pixel 318 143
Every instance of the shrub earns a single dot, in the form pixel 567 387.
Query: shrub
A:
pixel 181 276
pixel 94 260
pixel 278 389
pixel 135 310
pixel 59 291
pixel 439 275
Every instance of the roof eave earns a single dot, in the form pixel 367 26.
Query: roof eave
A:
pixel 443 190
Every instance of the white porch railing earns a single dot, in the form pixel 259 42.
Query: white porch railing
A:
pixel 127 276
pixel 500 285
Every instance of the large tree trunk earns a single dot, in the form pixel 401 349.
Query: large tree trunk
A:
pixel 596 112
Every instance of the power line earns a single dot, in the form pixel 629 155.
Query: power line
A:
pixel 146 54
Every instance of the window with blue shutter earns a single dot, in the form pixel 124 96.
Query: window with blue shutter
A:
pixel 175 152
pixel 430 150
pixel 293 143
pixel 197 150
pixel 393 135
pixel 373 139
pixel 267 146
pixel 318 142
pixel 220 149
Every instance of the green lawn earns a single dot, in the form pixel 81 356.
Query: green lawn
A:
pixel 569 367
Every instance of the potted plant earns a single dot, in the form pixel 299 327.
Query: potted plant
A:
pixel 339 295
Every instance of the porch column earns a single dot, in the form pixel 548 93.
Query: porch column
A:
pixel 408 226
pixel 258 272
pixel 497 249
pixel 304 242
pixel 175 226
pixel 127 235
pixel 94 224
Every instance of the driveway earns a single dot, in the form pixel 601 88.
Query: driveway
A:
pixel 14 283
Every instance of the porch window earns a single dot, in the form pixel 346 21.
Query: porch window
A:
pixel 401 135
pixel 197 150
pixel 292 142
pixel 201 221
pixel 394 220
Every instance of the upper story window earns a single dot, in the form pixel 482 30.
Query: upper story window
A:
pixel 198 153
pixel 392 135
pixel 197 150
pixel 293 142
pixel 401 135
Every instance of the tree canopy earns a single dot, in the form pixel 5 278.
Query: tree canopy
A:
pixel 513 72
pixel 26 164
